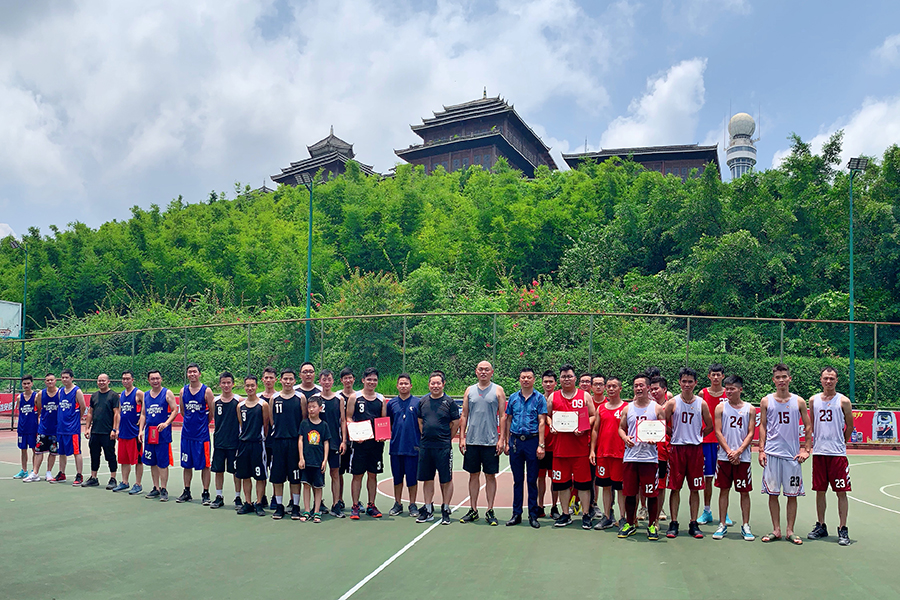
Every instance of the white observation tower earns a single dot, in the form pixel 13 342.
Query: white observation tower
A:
pixel 741 153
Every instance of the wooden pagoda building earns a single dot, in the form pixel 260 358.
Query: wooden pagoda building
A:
pixel 477 133
pixel 330 154
pixel 668 160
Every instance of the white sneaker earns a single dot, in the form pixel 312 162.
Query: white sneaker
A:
pixel 662 515
pixel 745 531
pixel 642 514
pixel 31 478
pixel 720 532
pixel 49 476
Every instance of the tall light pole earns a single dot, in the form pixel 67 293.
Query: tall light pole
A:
pixel 306 180
pixel 855 165
pixel 15 246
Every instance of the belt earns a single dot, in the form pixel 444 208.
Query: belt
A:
pixel 525 436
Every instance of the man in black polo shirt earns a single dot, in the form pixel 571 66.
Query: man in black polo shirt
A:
pixel 102 430
pixel 439 423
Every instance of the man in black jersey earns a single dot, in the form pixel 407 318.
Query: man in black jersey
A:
pixel 225 439
pixel 287 414
pixel 367 455
pixel 347 395
pixel 333 414
pixel 307 387
pixel 439 424
pixel 254 418
pixel 269 378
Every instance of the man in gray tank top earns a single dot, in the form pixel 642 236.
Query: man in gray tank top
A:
pixel 480 441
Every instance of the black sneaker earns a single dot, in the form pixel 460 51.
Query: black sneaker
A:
pixel 336 511
pixel 295 513
pixel 238 504
pixel 91 482
pixel 490 518
pixel 470 517
pixel 79 480
pixel 163 495
pixel 413 510
pixel 819 532
pixel 540 513
pixel 425 515
pixel 563 520
pixel 843 536
pixel 184 497
pixel 604 523
pixel 112 483
pixel 694 530
pixel 342 505
pixel 260 509
pixel 204 498
pixel 154 493
pixel 246 509
pixel 219 502
pixel 272 505
pixel 672 532
pixel 586 521
pixel 322 508
pixel 396 509
pixel 445 515
pixel 265 502
pixel 554 513
pixel 278 514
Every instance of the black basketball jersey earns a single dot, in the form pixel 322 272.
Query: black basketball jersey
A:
pixel 286 417
pixel 226 422
pixel 252 423
pixel 331 414
pixel 367 410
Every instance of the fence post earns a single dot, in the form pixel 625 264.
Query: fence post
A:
pixel 781 344
pixel 322 344
pixel 591 344
pixel 494 344
pixel 248 349
pixel 132 351
pixel 87 353
pixel 687 343
pixel 403 347
pixel 875 364
pixel 184 366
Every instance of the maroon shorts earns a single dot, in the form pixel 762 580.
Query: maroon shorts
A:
pixel 129 451
pixel 739 475
pixel 571 469
pixel 685 462
pixel 609 467
pixel 830 469
pixel 639 477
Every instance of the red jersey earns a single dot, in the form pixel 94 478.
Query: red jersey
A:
pixel 608 441
pixel 712 402
pixel 566 445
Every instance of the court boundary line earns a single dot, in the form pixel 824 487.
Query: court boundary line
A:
pixel 406 489
pixel 875 462
pixel 881 489
pixel 409 545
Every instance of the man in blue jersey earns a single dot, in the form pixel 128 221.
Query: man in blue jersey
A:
pixel 197 409
pixel 129 451
pixel 46 441
pixel 68 427
pixel 403 410
pixel 28 405
pixel 157 413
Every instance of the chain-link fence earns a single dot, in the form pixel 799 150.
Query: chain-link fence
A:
pixel 621 344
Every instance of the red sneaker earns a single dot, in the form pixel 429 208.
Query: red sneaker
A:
pixel 60 477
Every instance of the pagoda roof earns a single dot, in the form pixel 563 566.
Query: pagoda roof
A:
pixel 656 152
pixel 483 107
pixel 330 144
pixel 312 165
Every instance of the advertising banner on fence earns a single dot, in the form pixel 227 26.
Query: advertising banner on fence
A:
pixel 6 404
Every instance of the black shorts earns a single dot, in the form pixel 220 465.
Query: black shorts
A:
pixel 250 462
pixel 223 460
pixel 435 459
pixel 285 459
pixel 334 458
pixel 46 443
pixel 367 457
pixel 345 459
pixel 313 477
pixel 663 469
pixel 546 463
pixel 481 458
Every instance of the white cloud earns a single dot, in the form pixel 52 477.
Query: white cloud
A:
pixel 699 15
pixel 869 131
pixel 666 114
pixel 889 52
pixel 6 230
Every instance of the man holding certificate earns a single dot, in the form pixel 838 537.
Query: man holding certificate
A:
pixel 641 427
pixel 572 413
pixel 367 456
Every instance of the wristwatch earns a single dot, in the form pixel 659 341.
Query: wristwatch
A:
pixel 540 445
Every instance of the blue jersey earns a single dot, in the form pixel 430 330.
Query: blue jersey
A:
pixel 130 412
pixel 195 412
pixel 157 410
pixel 405 436
pixel 69 422
pixel 28 418
pixel 49 412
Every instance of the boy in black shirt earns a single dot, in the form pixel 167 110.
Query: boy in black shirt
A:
pixel 333 414
pixel 255 420
pixel 225 440
pixel 286 414
pixel 313 448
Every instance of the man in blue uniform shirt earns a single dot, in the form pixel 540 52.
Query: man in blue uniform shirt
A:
pixel 523 422
pixel 403 411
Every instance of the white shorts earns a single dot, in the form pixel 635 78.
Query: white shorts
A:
pixel 782 476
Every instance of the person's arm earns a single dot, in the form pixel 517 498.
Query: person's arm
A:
pixel 595 435
pixel 462 422
pixel 89 420
pixel 542 423
pixel 720 434
pixel 173 411
pixel 623 428
pixel 669 408
pixel 302 462
pixel 505 424
pixel 342 448
pixel 210 404
pixel 142 422
pixel 748 439
pixel 454 428
pixel 304 406
pixel 37 404
pixel 763 408
pixel 707 419
pixel 501 415
pixel 326 446
pixel 117 417
pixel 550 412
pixel 808 438
pixel 847 409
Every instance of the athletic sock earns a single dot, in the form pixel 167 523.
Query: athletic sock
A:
pixel 237 494
pixel 279 499
pixel 218 493
pixel 707 508
pixel 296 498
pixel 630 508
pixel 653 509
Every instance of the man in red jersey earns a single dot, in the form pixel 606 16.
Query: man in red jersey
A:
pixel 713 396
pixel 598 397
pixel 610 449
pixel 572 451
pixel 545 465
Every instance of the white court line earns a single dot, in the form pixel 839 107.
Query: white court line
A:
pixel 875 462
pixel 874 505
pixel 887 486
pixel 403 550
pixel 406 490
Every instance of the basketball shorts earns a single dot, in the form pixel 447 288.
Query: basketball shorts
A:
pixel 481 458
pixel 285 461
pixel 27 440
pixel 609 471
pixel 367 457
pixel 223 460
pixel 571 471
pixel 782 476
pixel 640 477
pixel 334 458
pixel 129 451
pixel 157 455
pixel 46 443
pixel 250 461
pixel 345 459
pixel 194 454
pixel 313 477
pixel 834 470
pixel 404 466
pixel 685 462
pixel 739 475
pixel 710 458
pixel 435 460
pixel 69 445
pixel 662 472
pixel 546 463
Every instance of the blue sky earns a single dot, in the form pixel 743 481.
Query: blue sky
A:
pixel 107 104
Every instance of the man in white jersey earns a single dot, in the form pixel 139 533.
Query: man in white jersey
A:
pixel 691 420
pixel 735 426
pixel 832 423
pixel 640 460
pixel 780 454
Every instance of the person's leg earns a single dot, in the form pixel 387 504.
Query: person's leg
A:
pixel 674 504
pixel 355 488
pixel 139 471
pixel 631 509
pixel 371 486
pixel 248 487
pixel 584 496
pixel 307 490
pixel 260 489
pixel 653 510
pixel 791 514
pixel 695 504
pixel 63 459
pixel 775 513
pixel 843 508
pixel 187 475
pixel 474 489
pixel 517 467
pixel 38 459
pixel 51 462
pixel 745 507
pixel 708 494
pixel 109 452
pixel 490 489
pixel 335 475
pixel 154 476
pixel 531 468
pixel 621 497
pixel 723 504
pixel 79 462
pixel 205 478
pixel 447 493
pixel 220 483
pixel 607 499
pixel 541 488
pixel 820 506
pixel 24 458
pixel 164 477
pixel 278 492
pixel 428 492
pixel 126 473
pixel 317 499
pixel 95 447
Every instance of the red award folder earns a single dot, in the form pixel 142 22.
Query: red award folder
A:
pixel 152 435
pixel 584 420
pixel 382 429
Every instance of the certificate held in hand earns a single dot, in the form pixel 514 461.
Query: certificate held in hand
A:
pixel 152 435
pixel 382 429
pixel 651 432
pixel 360 431
pixel 565 421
